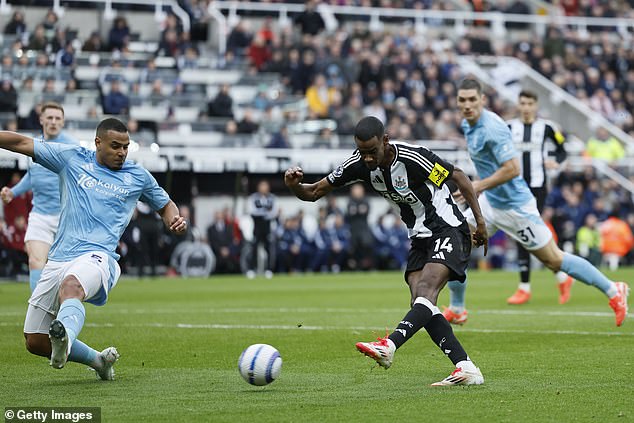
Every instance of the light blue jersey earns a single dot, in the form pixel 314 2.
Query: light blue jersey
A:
pixel 490 144
pixel 98 202
pixel 43 183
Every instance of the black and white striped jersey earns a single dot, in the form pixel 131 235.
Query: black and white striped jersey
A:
pixel 415 183
pixel 530 139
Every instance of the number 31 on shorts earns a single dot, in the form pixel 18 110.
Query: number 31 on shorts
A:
pixel 526 234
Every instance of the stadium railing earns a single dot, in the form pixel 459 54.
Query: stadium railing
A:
pixel 111 5
pixel 377 15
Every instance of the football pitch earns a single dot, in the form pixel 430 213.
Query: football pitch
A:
pixel 180 340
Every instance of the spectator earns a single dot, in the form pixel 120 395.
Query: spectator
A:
pixel 38 40
pixel 279 139
pixel 119 34
pixel 222 104
pixel 32 121
pixel 239 39
pixel 231 127
pixel 93 43
pixel 142 136
pixel 66 57
pixel 604 146
pixel 310 21
pixel 326 138
pixel 50 23
pixel 293 247
pixel 225 243
pixel 589 240
pixel 259 52
pixel 247 124
pixel 189 58
pixel 16 26
pixel 319 97
pixel 170 44
pixel 361 236
pixel 8 97
pixel 616 240
pixel 116 102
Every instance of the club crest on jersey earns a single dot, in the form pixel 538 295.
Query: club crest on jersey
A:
pixel 338 172
pixel 400 183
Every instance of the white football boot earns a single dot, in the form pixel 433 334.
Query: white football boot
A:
pixel 109 356
pixel 381 351
pixel 462 377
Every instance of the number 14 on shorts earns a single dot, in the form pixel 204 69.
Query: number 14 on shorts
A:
pixel 442 244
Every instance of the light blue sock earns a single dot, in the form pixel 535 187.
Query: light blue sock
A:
pixel 34 277
pixel 581 269
pixel 82 353
pixel 457 292
pixel 72 315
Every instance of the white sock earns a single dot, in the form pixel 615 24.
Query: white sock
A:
pixel 561 277
pixel 466 365
pixel 456 309
pixel 525 286
pixel 612 291
pixel 391 344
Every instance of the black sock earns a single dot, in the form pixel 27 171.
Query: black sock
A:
pixel 415 319
pixel 524 263
pixel 440 332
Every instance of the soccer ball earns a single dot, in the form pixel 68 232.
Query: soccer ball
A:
pixel 260 364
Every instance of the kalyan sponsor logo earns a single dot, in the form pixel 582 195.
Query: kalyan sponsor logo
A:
pixel 88 182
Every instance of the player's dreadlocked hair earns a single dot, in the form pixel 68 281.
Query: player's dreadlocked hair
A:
pixel 110 124
pixel 369 127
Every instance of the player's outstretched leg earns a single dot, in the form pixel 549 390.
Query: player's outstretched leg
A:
pixel 564 282
pixel 382 351
pixel 618 292
pixel 440 332
pixel 64 330
pixel 102 362
pixel 456 313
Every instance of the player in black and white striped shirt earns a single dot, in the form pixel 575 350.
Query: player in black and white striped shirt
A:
pixel 413 178
pixel 532 135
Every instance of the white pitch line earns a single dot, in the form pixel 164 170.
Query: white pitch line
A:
pixel 331 328
pixel 474 312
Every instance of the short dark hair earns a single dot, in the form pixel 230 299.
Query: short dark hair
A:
pixel 110 124
pixel 52 105
pixel 369 127
pixel 528 94
pixel 470 84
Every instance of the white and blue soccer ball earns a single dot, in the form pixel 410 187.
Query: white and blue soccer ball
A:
pixel 260 364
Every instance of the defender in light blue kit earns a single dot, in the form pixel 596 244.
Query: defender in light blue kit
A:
pixel 98 193
pixel 44 216
pixel 508 204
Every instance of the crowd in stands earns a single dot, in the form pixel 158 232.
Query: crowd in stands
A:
pixel 404 79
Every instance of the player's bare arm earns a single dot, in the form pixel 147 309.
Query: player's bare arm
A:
pixel 17 143
pixel 6 195
pixel 307 192
pixel 479 235
pixel 507 171
pixel 172 218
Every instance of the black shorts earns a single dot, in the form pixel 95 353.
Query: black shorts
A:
pixel 540 194
pixel 451 247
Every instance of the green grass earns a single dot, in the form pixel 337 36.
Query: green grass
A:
pixel 180 341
